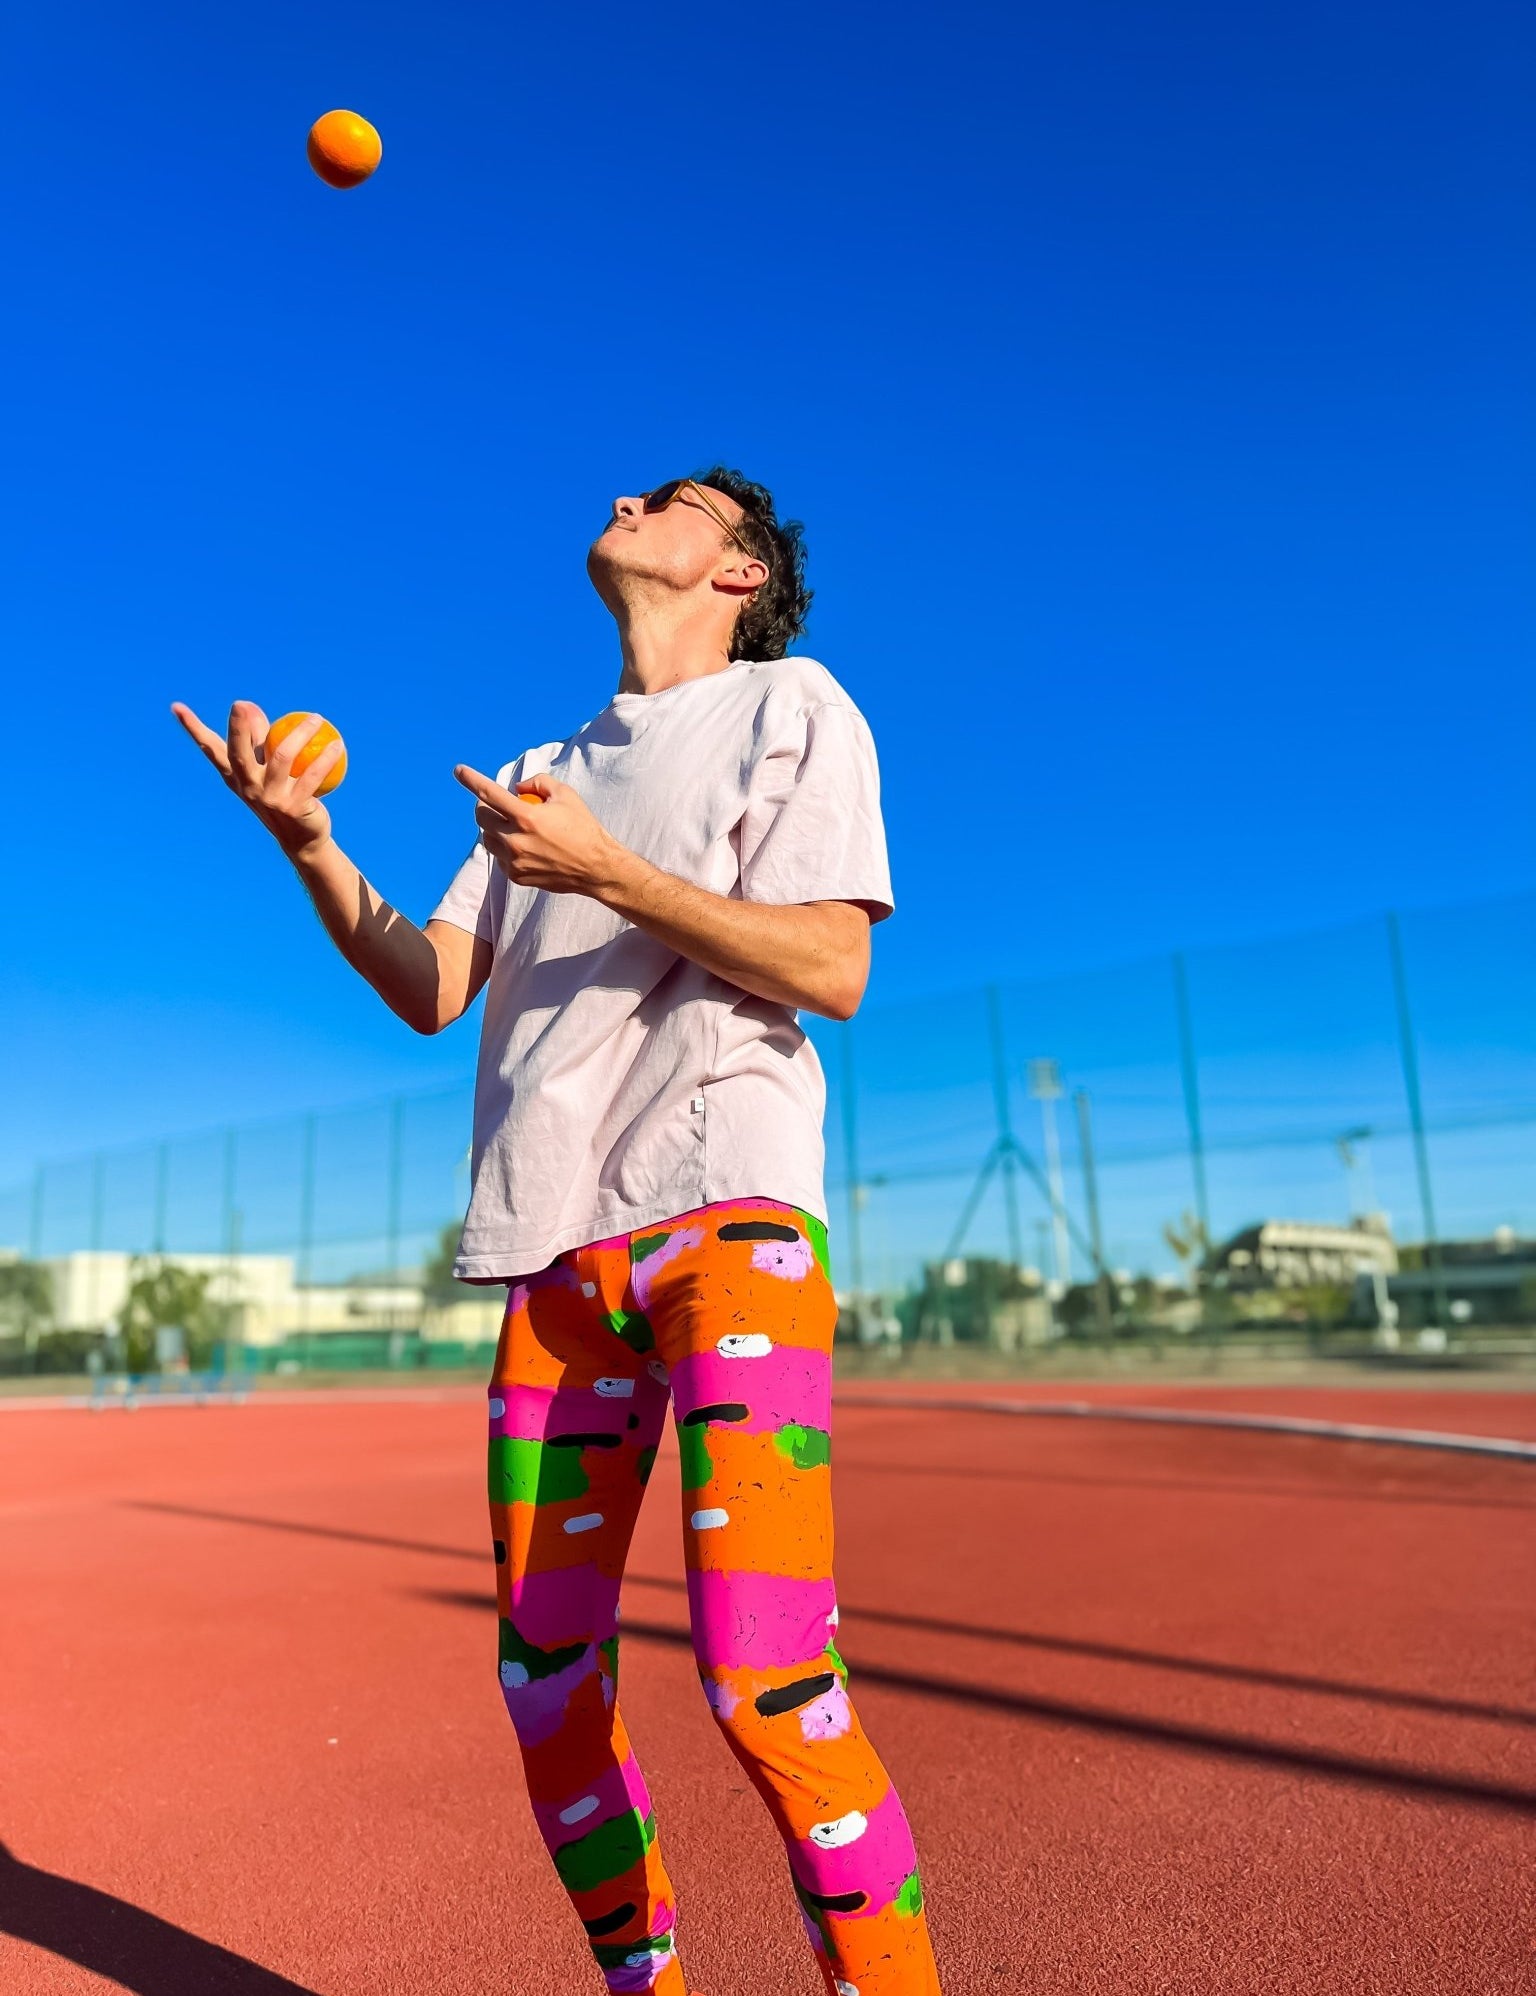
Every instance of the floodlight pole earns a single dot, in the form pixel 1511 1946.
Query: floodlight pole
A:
pixel 1045 1086
pixel 1007 1151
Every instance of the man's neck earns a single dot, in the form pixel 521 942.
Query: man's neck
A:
pixel 663 644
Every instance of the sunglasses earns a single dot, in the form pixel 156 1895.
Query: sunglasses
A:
pixel 659 500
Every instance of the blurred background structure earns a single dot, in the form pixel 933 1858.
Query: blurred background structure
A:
pixel 1328 1138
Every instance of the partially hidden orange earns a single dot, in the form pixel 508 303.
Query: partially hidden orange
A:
pixel 344 148
pixel 321 739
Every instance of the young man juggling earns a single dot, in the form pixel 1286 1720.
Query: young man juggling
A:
pixel 648 905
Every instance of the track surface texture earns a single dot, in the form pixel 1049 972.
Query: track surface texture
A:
pixel 1210 1713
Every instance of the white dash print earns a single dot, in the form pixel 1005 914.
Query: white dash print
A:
pixel 744 1344
pixel 840 1831
pixel 498 1408
pixel 514 1675
pixel 614 1389
pixel 589 1289
pixel 846 1988
pixel 587 1522
pixel 579 1811
pixel 710 1521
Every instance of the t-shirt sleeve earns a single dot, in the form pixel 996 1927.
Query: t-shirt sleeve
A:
pixel 468 902
pixel 477 893
pixel 812 830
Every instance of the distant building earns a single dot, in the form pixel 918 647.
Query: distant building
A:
pixel 266 1305
pixel 91 1286
pixel 1490 1281
pixel 1295 1254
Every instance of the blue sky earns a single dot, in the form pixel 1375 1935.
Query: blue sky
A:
pixel 1156 385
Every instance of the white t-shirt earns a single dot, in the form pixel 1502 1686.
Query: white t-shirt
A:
pixel 619 1083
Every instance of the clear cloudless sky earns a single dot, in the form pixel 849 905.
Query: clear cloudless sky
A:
pixel 1155 383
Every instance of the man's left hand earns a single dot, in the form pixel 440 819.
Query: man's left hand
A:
pixel 555 844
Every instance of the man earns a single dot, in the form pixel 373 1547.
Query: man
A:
pixel 649 904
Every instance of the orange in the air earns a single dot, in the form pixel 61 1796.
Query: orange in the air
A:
pixel 322 738
pixel 344 148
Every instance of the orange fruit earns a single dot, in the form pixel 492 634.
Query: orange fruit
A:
pixel 344 148
pixel 322 738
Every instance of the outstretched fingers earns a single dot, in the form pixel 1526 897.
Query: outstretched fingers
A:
pixel 212 745
pixel 247 731
pixel 490 793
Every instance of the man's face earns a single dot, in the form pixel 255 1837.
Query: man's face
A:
pixel 682 547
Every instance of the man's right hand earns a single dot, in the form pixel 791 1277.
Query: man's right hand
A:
pixel 286 804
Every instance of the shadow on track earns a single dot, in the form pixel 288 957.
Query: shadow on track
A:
pixel 1152 1659
pixel 1238 1673
pixel 1099 1719
pixel 1236 1486
pixel 122 1942
pixel 308 1531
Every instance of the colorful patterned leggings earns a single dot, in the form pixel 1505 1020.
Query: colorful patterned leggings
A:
pixel 731 1308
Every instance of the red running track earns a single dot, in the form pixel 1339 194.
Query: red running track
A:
pixel 1184 1711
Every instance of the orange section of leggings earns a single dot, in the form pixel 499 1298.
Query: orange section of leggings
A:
pixel 728 1312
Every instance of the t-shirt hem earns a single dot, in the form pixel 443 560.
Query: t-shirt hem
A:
pixel 496 1264
pixel 470 928
pixel 882 904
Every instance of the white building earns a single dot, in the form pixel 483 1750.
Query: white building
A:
pixel 1293 1254
pixel 90 1288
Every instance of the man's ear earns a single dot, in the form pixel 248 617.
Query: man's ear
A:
pixel 742 575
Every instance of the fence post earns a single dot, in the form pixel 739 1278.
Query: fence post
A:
pixel 1004 1123
pixel 1101 1294
pixel 306 1232
pixel 392 1215
pixel 98 1210
pixel 231 1240
pixel 851 1173
pixel 1408 1049
pixel 162 1191
pixel 1191 1078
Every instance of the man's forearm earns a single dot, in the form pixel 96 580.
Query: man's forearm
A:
pixel 376 939
pixel 787 954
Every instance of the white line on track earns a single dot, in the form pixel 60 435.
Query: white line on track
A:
pixel 1177 1417
pixel 314 1396
pixel 1083 1410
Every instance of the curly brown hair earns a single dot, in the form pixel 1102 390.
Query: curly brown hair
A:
pixel 771 620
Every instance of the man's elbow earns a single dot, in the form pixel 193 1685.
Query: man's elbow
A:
pixel 845 998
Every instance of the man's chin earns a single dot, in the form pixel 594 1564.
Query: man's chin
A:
pixel 604 562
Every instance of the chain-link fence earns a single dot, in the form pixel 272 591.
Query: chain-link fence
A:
pixel 1335 1132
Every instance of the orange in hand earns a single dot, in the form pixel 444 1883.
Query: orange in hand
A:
pixel 344 148
pixel 322 738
